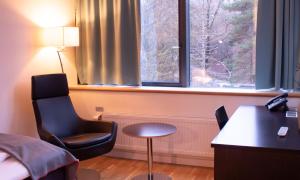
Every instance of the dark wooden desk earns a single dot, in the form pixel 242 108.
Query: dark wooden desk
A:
pixel 248 147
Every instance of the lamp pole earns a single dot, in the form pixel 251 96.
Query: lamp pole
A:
pixel 61 65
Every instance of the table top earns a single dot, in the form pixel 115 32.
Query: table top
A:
pixel 148 130
pixel 255 126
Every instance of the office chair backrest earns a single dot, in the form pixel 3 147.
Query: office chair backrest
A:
pixel 221 116
pixel 52 105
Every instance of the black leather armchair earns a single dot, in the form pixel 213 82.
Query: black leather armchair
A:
pixel 58 123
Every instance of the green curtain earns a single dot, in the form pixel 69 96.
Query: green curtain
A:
pixel 277 44
pixel 109 50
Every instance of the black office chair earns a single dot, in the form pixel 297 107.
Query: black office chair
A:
pixel 58 123
pixel 221 116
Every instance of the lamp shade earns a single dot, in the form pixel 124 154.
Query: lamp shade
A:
pixel 71 36
pixel 61 37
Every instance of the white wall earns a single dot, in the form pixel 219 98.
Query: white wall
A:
pixel 23 55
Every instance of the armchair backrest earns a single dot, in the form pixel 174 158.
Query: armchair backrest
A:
pixel 52 105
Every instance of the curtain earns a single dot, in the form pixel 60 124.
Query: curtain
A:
pixel 277 44
pixel 109 50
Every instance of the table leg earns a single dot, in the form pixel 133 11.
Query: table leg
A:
pixel 150 158
pixel 150 175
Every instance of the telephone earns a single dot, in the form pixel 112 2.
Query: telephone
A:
pixel 278 103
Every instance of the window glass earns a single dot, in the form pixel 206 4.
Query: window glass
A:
pixel 222 43
pixel 159 41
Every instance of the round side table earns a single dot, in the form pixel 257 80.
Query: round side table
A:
pixel 149 131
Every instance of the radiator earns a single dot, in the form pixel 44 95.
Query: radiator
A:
pixel 190 145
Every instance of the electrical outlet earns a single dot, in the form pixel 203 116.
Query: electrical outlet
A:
pixel 99 109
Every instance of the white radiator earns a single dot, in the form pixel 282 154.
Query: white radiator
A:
pixel 190 145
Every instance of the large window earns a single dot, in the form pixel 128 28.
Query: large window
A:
pixel 212 42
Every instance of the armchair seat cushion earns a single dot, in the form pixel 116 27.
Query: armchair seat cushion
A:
pixel 84 140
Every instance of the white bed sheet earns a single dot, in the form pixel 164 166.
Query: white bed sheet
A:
pixel 3 156
pixel 11 169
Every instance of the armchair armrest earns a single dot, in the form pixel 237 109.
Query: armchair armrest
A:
pixel 50 138
pixel 97 126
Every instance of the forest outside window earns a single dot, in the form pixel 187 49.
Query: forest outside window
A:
pixel 211 43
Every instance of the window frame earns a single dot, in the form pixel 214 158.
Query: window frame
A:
pixel 184 49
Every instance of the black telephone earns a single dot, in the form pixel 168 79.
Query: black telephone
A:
pixel 278 103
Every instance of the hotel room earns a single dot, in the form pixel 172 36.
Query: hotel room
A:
pixel 150 71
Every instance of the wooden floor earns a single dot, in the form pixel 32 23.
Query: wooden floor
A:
pixel 124 169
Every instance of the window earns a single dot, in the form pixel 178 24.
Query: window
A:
pixel 201 43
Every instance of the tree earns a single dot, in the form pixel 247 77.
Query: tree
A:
pixel 222 41
pixel 242 40
pixel 208 30
pixel 159 37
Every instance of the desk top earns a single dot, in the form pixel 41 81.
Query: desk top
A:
pixel 148 130
pixel 255 126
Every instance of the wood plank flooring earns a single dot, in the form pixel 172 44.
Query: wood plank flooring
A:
pixel 123 169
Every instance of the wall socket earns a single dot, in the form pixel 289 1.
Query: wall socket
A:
pixel 99 109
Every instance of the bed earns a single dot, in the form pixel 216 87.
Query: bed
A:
pixel 10 168
pixel 23 157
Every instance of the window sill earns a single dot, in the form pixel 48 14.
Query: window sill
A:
pixel 178 90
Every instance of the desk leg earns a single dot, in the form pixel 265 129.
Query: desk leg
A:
pixel 150 157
